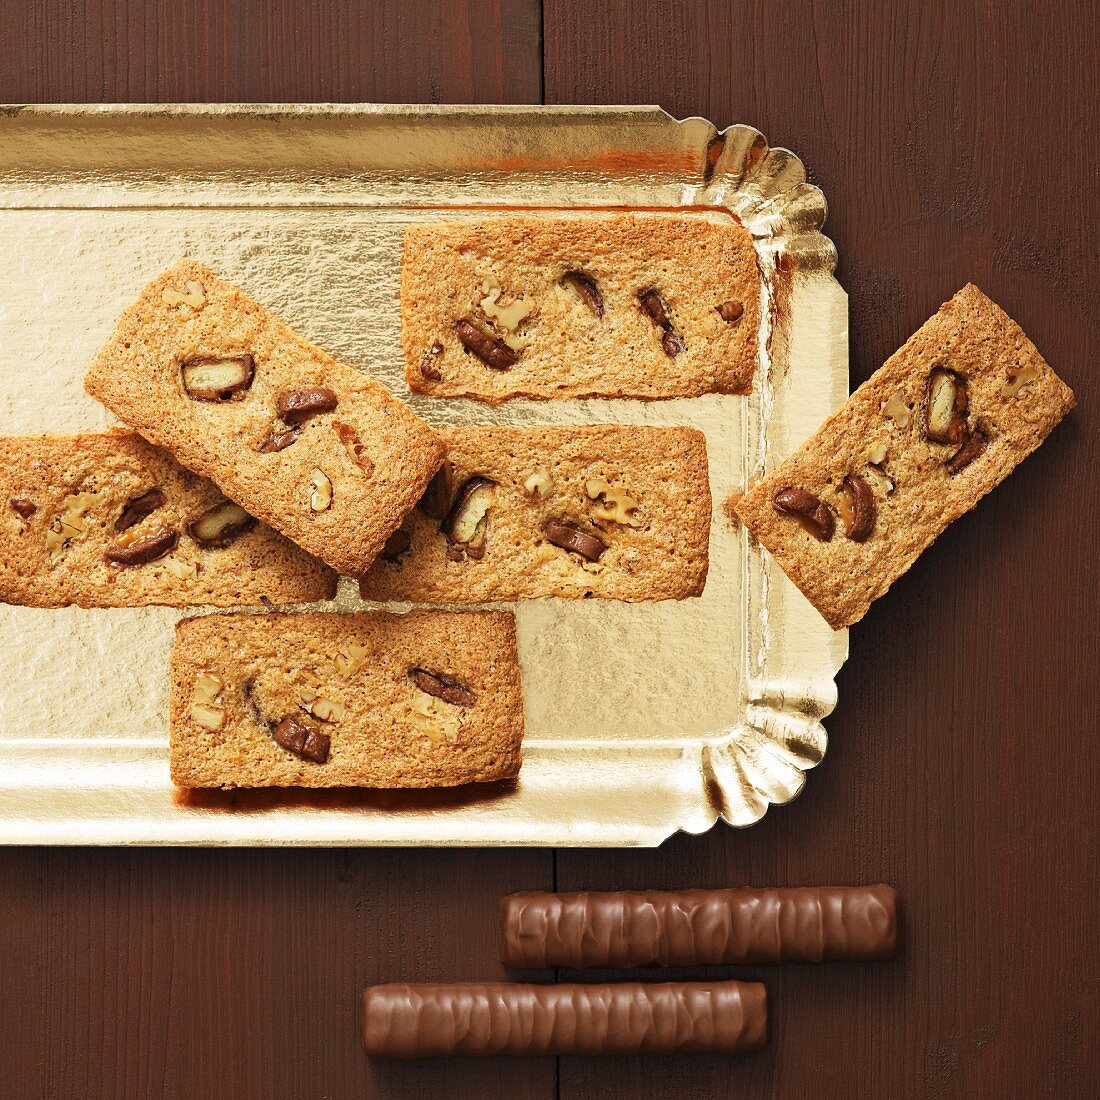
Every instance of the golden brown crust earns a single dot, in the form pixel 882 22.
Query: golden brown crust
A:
pixel 661 555
pixel 138 376
pixel 971 336
pixel 391 734
pixel 693 262
pixel 49 472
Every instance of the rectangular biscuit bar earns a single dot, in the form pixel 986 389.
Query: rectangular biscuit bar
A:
pixel 428 699
pixel 611 305
pixel 313 447
pixel 108 520
pixel 942 422
pixel 619 512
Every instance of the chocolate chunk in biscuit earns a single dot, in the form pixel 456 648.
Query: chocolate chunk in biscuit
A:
pixel 450 691
pixel 302 739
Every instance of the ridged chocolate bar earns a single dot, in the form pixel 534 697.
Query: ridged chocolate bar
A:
pixel 701 927
pixel 486 1020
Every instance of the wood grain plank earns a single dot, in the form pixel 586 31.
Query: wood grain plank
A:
pixel 952 144
pixel 170 975
pixel 384 51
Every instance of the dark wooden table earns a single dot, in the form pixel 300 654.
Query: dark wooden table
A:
pixel 954 142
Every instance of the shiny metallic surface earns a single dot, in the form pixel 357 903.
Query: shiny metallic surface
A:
pixel 641 719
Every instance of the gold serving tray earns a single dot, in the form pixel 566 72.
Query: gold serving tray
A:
pixel 641 719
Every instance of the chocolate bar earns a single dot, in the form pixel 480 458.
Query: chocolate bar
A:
pixel 701 927
pixel 498 1018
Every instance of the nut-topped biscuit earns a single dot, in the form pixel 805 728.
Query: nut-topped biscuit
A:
pixel 313 447
pixel 942 422
pixel 612 305
pixel 107 520
pixel 428 699
pixel 614 511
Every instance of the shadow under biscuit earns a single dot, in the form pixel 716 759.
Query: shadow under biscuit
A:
pixel 252 800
